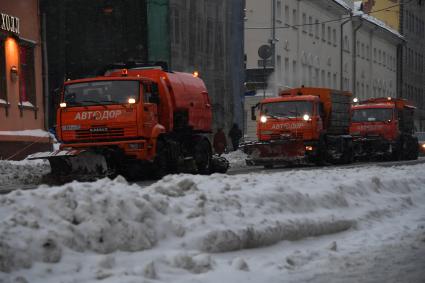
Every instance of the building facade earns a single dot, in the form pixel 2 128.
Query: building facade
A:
pixel 325 43
pixel 21 85
pixel 408 17
pixel 190 35
pixel 207 36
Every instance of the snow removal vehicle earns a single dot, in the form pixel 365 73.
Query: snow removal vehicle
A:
pixel 302 125
pixel 383 128
pixel 134 119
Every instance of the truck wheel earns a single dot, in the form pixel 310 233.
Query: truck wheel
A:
pixel 413 148
pixel 160 164
pixel 321 156
pixel 203 155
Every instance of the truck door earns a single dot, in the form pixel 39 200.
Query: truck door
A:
pixel 150 106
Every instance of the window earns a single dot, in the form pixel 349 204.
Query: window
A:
pixel 317 27
pixel 329 79
pixel 310 27
pixel 3 93
pixel 279 10
pixel 294 18
pixel 323 79
pixel 286 71
pixel 279 67
pixel 287 21
pixel 329 35
pixel 294 73
pixel 384 57
pixel 334 37
pixel 26 74
pixel 362 51
pixel 367 52
pixel 335 81
pixel 323 32
pixel 304 22
pixel 374 54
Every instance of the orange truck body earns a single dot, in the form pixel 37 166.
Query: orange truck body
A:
pixel 314 119
pixel 383 128
pixel 134 128
pixel 134 119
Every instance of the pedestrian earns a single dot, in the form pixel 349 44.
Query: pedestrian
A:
pixel 219 142
pixel 235 135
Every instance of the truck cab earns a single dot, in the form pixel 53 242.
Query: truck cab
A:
pixel 382 128
pixel 290 117
pixel 301 125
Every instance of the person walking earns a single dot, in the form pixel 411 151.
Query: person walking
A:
pixel 219 142
pixel 235 135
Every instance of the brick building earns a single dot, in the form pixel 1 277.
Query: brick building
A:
pixel 21 86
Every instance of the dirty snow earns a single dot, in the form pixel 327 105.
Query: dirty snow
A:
pixel 27 133
pixel 236 158
pixel 22 172
pixel 324 225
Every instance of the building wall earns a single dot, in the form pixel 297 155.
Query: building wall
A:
pixel 28 117
pixel 376 72
pixel 207 36
pixel 387 11
pixel 413 58
pixel 17 115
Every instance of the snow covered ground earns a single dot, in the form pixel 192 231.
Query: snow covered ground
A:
pixel 327 225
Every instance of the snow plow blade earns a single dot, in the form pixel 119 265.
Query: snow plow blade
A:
pixel 282 152
pixel 69 165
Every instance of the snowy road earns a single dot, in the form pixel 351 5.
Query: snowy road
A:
pixel 362 223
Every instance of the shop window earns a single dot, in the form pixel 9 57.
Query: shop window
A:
pixel 3 93
pixel 26 75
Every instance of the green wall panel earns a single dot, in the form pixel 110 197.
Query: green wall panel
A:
pixel 158 30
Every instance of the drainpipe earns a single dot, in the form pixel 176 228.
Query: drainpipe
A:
pixel 341 81
pixel 45 73
pixel 355 57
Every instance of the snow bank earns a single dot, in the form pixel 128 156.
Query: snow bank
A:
pixel 236 159
pixel 22 172
pixel 177 227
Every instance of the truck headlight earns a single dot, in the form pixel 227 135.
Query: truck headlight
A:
pixel 263 119
pixel 62 104
pixel 306 117
pixel 131 100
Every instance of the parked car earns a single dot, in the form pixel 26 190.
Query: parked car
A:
pixel 421 142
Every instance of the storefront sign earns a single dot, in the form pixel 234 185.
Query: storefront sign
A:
pixel 9 23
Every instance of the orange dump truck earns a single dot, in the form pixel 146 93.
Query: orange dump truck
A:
pixel 302 125
pixel 136 119
pixel 383 128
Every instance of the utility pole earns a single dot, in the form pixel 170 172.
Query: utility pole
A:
pixel 273 46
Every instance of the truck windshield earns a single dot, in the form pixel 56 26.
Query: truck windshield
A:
pixel 288 109
pixel 101 93
pixel 372 115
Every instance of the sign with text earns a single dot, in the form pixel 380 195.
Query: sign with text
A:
pixel 9 23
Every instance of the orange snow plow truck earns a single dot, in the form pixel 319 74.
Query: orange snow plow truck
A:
pixel 302 125
pixel 383 128
pixel 134 120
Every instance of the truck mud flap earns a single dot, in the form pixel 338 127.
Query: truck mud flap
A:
pixel 283 152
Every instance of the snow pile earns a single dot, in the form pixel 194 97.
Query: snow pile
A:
pixel 236 158
pixel 29 133
pixel 180 226
pixel 22 172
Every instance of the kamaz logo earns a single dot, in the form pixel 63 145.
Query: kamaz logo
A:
pixel 98 115
pixel 287 126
